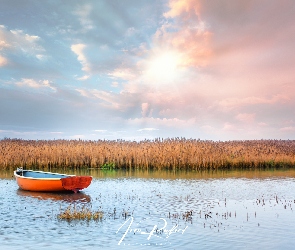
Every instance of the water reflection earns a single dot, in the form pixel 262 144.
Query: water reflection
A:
pixel 69 197
pixel 6 174
pixel 168 174
pixel 182 174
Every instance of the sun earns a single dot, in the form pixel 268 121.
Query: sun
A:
pixel 163 68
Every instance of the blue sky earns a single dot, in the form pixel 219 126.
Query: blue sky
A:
pixel 218 70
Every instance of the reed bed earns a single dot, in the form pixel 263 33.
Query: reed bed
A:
pixel 80 213
pixel 171 153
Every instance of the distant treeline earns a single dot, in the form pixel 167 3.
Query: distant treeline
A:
pixel 175 153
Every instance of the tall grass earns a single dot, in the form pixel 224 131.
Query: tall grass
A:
pixel 176 153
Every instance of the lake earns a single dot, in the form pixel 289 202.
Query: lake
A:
pixel 156 210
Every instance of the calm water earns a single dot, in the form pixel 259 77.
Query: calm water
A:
pixel 162 210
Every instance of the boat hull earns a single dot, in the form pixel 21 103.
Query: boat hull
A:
pixel 50 182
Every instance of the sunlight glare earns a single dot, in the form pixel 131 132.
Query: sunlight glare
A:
pixel 163 68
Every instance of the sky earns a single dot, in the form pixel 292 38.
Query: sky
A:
pixel 144 69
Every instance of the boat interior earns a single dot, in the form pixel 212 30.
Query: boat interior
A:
pixel 37 174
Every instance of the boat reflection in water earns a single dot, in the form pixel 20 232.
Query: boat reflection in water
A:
pixel 70 197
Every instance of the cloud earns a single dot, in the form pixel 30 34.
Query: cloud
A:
pixel 100 130
pixel 123 73
pixel 3 44
pixel 83 12
pixel 77 137
pixel 83 92
pixel 238 102
pixel 78 49
pixel 187 33
pixel 147 129
pixel 4 131
pixel 83 78
pixel 3 61
pixel 229 127
pixel 173 122
pixel 16 41
pixel 146 110
pixel 115 84
pixel 245 117
pixel 288 129
pixel 106 99
pixel 31 83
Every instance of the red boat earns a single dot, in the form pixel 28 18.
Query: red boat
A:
pixel 50 182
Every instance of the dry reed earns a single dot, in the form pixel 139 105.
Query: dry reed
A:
pixel 76 213
pixel 176 153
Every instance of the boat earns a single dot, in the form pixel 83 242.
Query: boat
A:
pixel 40 181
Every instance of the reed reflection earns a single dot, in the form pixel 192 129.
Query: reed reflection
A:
pixel 69 197
pixel 183 174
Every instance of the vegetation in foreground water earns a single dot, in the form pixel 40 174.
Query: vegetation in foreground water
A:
pixel 176 153
pixel 79 213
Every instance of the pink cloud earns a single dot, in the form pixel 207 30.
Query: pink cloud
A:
pixel 179 7
pixel 229 127
pixel 3 61
pixel 146 110
pixel 245 117
pixel 234 102
pixel 187 34
pixel 158 122
pixel 288 129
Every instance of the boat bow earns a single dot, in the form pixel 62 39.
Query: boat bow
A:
pixel 76 183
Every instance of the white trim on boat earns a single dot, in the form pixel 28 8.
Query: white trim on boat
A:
pixel 34 178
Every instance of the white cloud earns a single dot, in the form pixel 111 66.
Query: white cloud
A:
pixel 4 131
pixel 115 84
pixel 107 99
pixel 171 122
pixel 83 92
pixel 83 13
pixel 83 78
pixel 123 73
pixel 31 83
pixel 3 43
pixel 18 41
pixel 76 137
pixel 41 57
pixel 78 49
pixel 147 129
